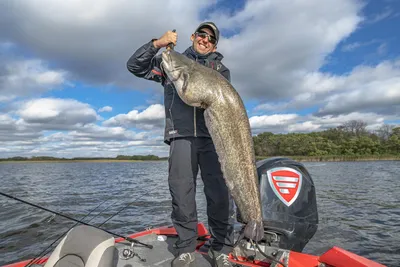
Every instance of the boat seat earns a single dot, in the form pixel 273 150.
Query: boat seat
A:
pixel 84 246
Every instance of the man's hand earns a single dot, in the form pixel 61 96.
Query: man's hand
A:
pixel 168 37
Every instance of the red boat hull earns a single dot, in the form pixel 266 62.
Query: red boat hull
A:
pixel 334 257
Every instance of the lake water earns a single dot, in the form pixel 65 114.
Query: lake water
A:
pixel 358 204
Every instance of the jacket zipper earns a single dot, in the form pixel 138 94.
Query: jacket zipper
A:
pixel 194 116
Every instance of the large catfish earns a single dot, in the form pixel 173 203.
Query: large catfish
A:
pixel 228 124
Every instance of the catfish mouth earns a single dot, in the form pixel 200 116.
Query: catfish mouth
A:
pixel 174 73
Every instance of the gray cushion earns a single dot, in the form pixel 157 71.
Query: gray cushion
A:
pixel 84 246
pixel 69 261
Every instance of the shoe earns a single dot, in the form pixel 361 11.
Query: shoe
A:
pixel 183 260
pixel 219 259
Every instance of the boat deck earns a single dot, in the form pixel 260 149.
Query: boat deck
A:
pixel 161 254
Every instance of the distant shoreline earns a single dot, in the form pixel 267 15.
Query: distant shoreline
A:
pixel 48 159
pixel 72 161
pixel 297 158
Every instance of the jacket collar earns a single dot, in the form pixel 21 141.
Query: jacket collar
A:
pixel 190 52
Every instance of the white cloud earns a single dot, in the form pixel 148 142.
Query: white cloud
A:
pixel 271 106
pixel 353 46
pixel 307 126
pixel 271 123
pixel 6 122
pixel 94 39
pixel 266 120
pixel 330 121
pixel 284 123
pixel 388 12
pixel 69 121
pixel 56 114
pixel 382 49
pixel 95 132
pixel 366 88
pixel 150 118
pixel 18 138
pixel 285 44
pixel 73 148
pixel 12 129
pixel 27 78
pixel 105 109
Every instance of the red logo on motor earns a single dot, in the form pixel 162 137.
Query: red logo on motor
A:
pixel 286 183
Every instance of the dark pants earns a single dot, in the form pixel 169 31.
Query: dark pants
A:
pixel 186 155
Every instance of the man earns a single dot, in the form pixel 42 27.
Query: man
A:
pixel 190 147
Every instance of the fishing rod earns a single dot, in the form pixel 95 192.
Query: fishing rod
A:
pixel 118 212
pixel 171 45
pixel 75 220
pixel 109 218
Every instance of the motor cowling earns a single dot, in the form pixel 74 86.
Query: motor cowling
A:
pixel 288 203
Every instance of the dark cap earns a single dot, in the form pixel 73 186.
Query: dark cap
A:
pixel 211 26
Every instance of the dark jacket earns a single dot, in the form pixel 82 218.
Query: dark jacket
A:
pixel 181 120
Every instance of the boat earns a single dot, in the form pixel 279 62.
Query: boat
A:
pixel 156 248
pixel 290 218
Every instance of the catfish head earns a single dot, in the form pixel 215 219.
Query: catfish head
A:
pixel 189 78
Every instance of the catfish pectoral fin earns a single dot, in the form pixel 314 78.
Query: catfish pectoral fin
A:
pixel 254 230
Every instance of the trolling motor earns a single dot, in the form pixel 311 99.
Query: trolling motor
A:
pixel 289 210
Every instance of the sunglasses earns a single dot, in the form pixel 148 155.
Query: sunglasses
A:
pixel 210 38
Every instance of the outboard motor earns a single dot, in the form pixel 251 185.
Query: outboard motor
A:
pixel 288 203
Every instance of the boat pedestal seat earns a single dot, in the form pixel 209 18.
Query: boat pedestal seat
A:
pixel 84 246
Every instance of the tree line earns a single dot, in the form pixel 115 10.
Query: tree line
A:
pixel 350 139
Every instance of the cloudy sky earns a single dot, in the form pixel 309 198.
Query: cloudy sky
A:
pixel 299 65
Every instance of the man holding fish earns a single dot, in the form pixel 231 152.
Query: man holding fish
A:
pixel 191 147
